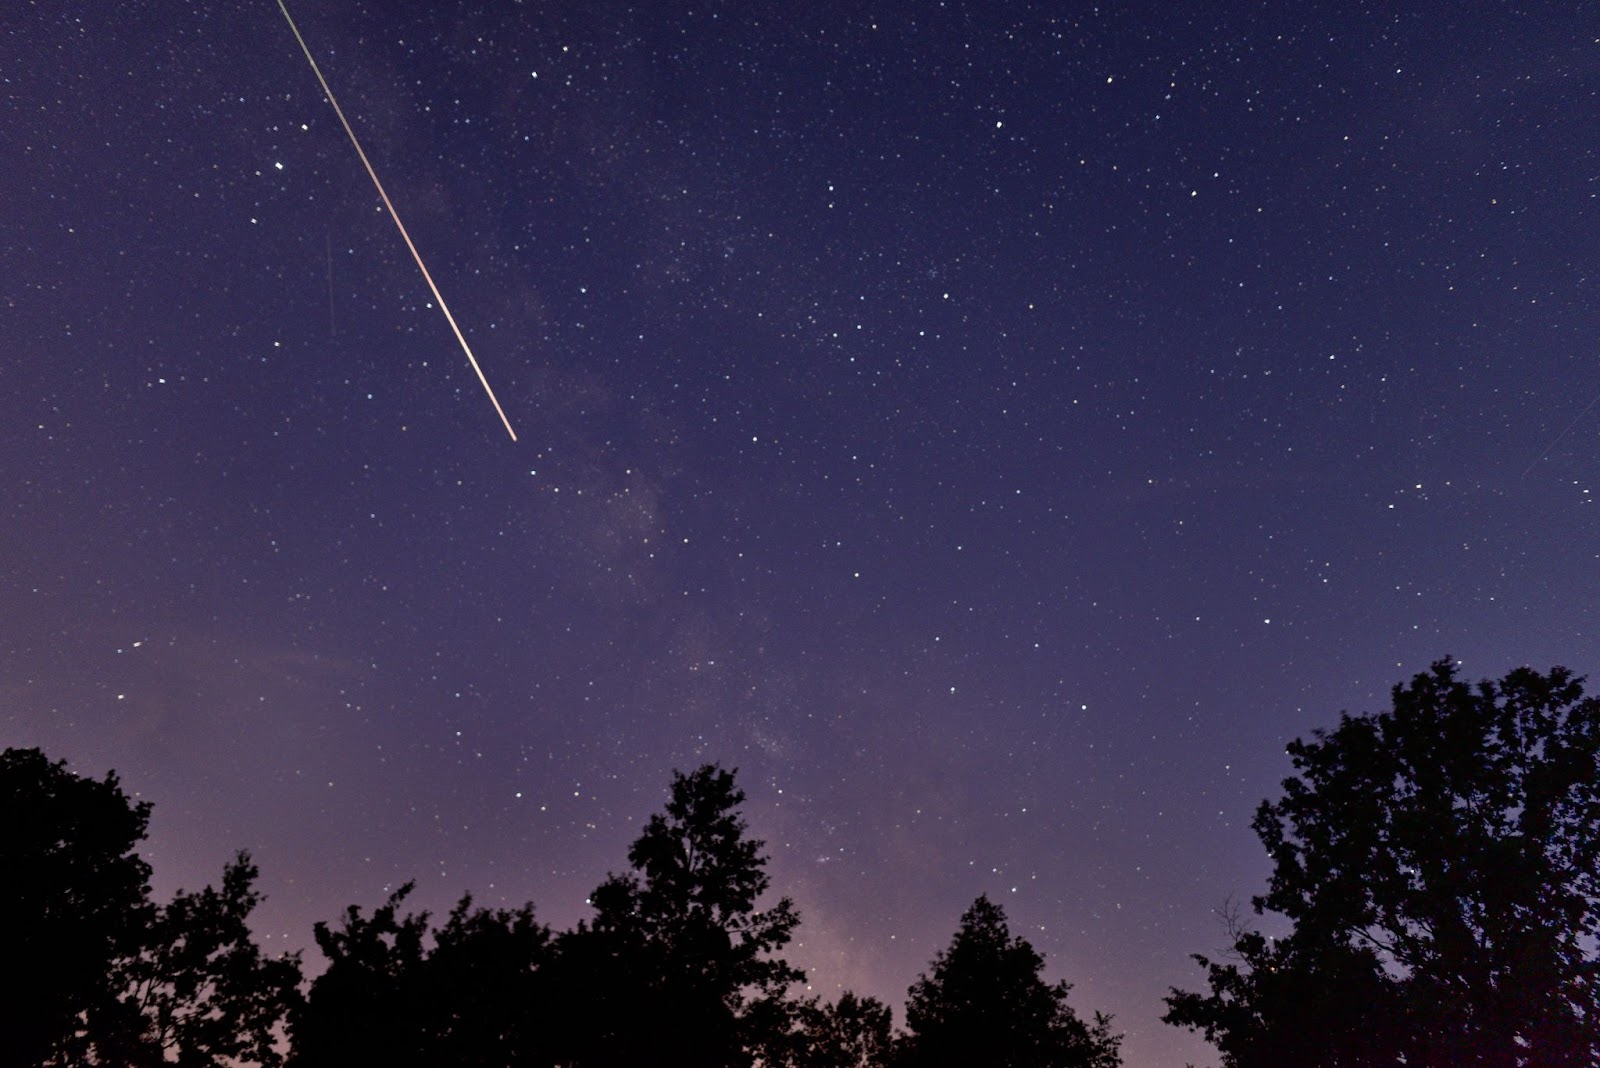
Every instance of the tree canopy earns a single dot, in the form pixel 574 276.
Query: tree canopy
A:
pixel 850 1032
pixel 100 974
pixel 679 964
pixel 74 899
pixel 475 997
pixel 985 1001
pixel 1437 864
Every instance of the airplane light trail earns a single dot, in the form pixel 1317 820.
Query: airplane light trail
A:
pixel 337 110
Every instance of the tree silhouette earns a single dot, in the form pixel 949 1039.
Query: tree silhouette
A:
pixel 677 965
pixel 852 1032
pixel 367 1006
pixel 985 1002
pixel 199 991
pixel 101 975
pixel 487 970
pixel 74 898
pixel 1278 1005
pixel 1438 863
pixel 474 999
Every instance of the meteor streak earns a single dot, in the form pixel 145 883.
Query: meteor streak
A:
pixel 1558 437
pixel 451 319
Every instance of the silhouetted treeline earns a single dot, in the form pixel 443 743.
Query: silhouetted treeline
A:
pixel 680 964
pixel 1438 865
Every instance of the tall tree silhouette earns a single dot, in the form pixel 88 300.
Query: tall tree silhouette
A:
pixel 74 898
pixel 1440 866
pixel 985 1002
pixel 99 973
pixel 677 965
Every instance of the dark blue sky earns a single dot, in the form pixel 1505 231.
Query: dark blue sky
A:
pixel 996 429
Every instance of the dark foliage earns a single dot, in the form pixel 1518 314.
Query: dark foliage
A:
pixel 198 992
pixel 677 965
pixel 853 1032
pixel 985 1002
pixel 475 998
pixel 1438 864
pixel 365 1007
pixel 98 973
pixel 74 898
pixel 488 966
pixel 1278 1005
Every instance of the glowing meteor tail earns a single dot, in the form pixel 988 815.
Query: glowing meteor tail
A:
pixel 451 319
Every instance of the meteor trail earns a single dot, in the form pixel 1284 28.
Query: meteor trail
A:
pixel 1558 437
pixel 337 110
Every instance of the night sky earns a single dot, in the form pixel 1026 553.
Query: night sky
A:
pixel 994 428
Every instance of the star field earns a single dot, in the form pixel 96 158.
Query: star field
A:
pixel 996 429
